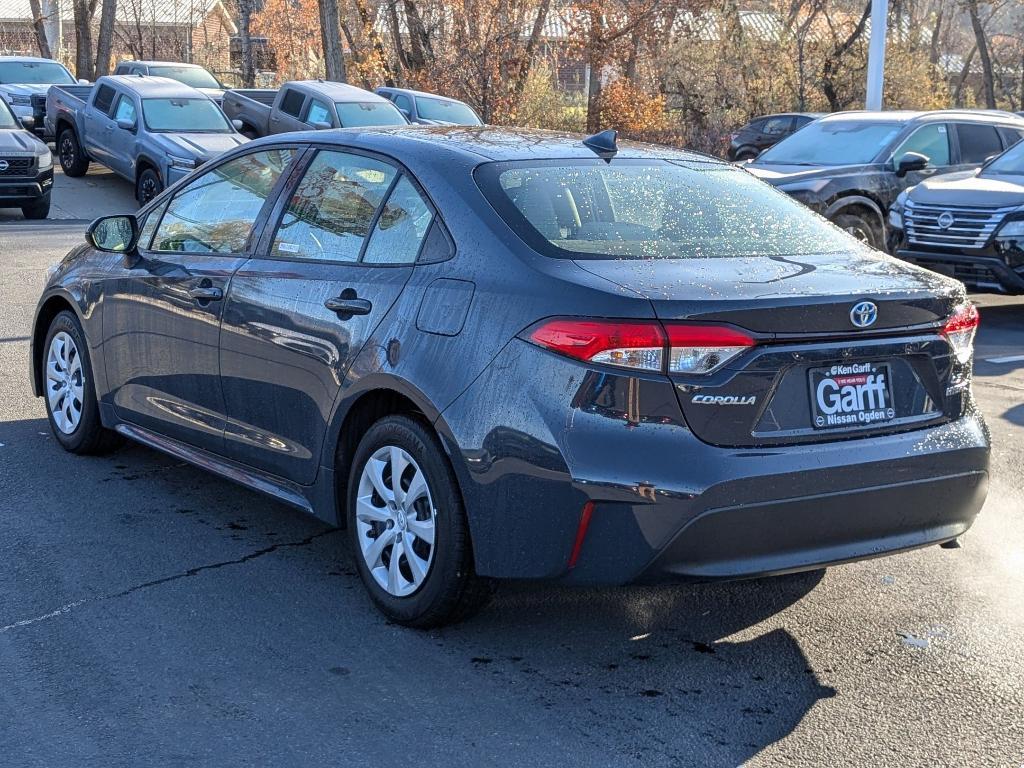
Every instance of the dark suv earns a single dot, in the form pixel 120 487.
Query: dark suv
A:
pixel 967 225
pixel 757 135
pixel 26 167
pixel 851 166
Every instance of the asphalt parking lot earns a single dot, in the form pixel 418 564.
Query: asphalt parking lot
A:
pixel 151 614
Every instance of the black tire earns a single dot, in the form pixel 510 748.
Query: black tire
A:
pixel 89 437
pixel 148 186
pixel 861 228
pixel 248 132
pixel 37 209
pixel 72 159
pixel 746 153
pixel 451 591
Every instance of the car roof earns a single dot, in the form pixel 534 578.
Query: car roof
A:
pixel 150 85
pixel 918 116
pixel 411 92
pixel 481 143
pixel 30 60
pixel 788 114
pixel 160 64
pixel 338 91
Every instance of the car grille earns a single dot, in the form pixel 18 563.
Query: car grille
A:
pixel 16 166
pixel 951 226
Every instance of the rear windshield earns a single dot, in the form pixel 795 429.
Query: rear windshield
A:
pixel 353 114
pixel 660 209
pixel 197 77
pixel 184 116
pixel 446 111
pixel 34 73
pixel 832 142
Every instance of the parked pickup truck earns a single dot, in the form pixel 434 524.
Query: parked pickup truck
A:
pixel 24 81
pixel 150 130
pixel 304 104
pixel 198 77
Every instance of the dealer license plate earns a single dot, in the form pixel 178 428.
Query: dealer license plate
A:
pixel 851 395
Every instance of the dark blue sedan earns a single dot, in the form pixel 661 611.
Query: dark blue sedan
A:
pixel 498 354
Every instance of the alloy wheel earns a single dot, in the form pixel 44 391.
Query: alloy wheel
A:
pixel 64 382
pixel 67 152
pixel 395 521
pixel 148 189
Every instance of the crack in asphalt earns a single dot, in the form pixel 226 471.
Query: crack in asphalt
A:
pixel 166 580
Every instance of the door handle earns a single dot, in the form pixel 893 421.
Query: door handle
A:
pixel 349 305
pixel 206 293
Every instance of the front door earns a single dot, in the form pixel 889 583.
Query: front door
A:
pixel 162 314
pixel 343 247
pixel 121 159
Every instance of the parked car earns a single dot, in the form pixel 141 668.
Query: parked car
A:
pixel 303 104
pixel 24 81
pixel 429 108
pixel 968 225
pixel 514 354
pixel 193 75
pixel 149 130
pixel 850 166
pixel 26 167
pixel 759 134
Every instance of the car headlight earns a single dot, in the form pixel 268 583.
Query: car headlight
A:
pixel 895 218
pixel 21 101
pixel 182 162
pixel 1014 228
pixel 811 185
pixel 46 161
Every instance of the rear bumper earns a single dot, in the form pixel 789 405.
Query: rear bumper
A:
pixel 980 273
pixel 667 505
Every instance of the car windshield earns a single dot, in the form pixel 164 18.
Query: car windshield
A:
pixel 6 118
pixel 832 142
pixel 1010 163
pixel 197 77
pixel 34 73
pixel 184 116
pixel 652 209
pixel 356 114
pixel 446 111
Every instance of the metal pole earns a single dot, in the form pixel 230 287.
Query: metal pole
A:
pixel 876 53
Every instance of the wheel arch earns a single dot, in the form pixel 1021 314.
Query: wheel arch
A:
pixel 845 202
pixel 48 310
pixel 144 162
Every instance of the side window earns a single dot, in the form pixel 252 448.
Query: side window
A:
pixel 215 213
pixel 148 226
pixel 977 142
pixel 776 126
pixel 125 109
pixel 1011 136
pixel 332 208
pixel 122 69
pixel 932 141
pixel 401 227
pixel 757 126
pixel 104 98
pixel 291 104
pixel 318 113
pixel 403 102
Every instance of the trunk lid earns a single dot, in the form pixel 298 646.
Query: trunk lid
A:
pixel 813 374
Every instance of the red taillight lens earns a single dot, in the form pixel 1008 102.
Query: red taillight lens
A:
pixel 643 345
pixel 631 344
pixel 960 329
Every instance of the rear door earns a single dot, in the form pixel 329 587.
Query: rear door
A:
pixel 98 125
pixel 162 313
pixel 286 116
pixel 334 259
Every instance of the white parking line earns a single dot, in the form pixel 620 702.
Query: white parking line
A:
pixel 1007 359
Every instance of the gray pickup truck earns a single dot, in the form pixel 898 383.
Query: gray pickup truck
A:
pixel 304 104
pixel 150 130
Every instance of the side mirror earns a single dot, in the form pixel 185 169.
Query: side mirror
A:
pixel 911 161
pixel 28 123
pixel 320 125
pixel 238 125
pixel 114 234
pixel 83 81
pixel 125 124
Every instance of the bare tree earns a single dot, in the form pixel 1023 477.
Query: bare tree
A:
pixel 981 40
pixel 330 36
pixel 105 38
pixel 39 29
pixel 246 8
pixel 834 63
pixel 83 12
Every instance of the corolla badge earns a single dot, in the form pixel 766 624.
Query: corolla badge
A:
pixel 864 314
pixel 945 220
pixel 4 165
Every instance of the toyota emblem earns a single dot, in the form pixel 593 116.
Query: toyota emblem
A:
pixel 945 220
pixel 864 314
pixel 4 165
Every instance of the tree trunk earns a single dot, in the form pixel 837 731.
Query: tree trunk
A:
pixel 531 50
pixel 420 50
pixel 396 35
pixel 39 28
pixel 245 11
pixel 983 54
pixel 105 39
pixel 330 38
pixel 83 40
pixel 958 93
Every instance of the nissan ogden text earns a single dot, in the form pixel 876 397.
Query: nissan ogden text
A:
pixel 510 354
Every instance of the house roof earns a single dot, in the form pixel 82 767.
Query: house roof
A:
pixel 147 12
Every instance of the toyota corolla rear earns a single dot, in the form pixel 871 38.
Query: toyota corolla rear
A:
pixel 733 386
